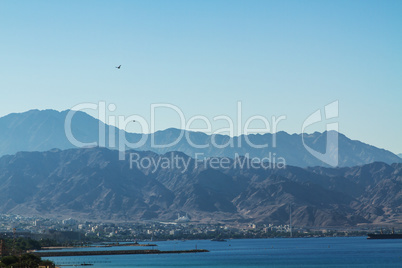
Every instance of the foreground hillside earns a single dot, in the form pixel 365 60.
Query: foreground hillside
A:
pixel 94 184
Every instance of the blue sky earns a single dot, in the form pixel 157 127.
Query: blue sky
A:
pixel 276 57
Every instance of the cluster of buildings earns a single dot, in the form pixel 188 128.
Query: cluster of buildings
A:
pixel 86 231
pixel 72 229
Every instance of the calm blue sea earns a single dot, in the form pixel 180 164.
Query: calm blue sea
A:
pixel 281 252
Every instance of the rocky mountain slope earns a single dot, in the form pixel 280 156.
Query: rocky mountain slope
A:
pixel 93 184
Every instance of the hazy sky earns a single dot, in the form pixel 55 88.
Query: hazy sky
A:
pixel 277 57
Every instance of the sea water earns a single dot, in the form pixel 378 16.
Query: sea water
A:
pixel 275 252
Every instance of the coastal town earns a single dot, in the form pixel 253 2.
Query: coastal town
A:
pixel 70 230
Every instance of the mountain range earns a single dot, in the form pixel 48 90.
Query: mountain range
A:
pixel 44 130
pixel 92 183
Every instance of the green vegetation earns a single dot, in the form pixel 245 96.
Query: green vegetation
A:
pixel 25 260
pixel 24 244
pixel 21 245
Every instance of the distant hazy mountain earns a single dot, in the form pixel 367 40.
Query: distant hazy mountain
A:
pixel 93 184
pixel 44 130
pixel 400 155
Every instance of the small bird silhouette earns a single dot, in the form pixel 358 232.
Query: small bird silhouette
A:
pixel 118 67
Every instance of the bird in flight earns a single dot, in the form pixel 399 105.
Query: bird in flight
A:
pixel 118 67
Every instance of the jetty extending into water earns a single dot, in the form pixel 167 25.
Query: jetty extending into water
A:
pixel 112 252
pixel 104 246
